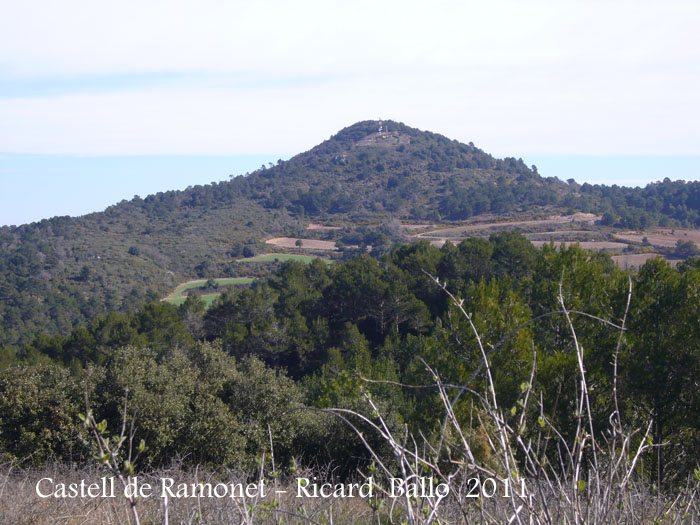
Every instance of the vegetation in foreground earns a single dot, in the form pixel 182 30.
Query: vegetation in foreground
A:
pixel 20 505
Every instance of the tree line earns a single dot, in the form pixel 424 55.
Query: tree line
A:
pixel 205 384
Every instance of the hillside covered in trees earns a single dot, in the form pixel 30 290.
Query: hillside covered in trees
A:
pixel 205 384
pixel 59 273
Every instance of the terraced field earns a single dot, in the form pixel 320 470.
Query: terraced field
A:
pixel 635 260
pixel 664 237
pixel 455 234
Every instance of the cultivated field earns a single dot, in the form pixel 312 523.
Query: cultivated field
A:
pixel 549 227
pixel 635 260
pixel 308 244
pixel 554 220
pixel 662 237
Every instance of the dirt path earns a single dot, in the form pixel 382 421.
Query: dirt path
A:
pixel 314 226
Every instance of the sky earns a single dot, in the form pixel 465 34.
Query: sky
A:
pixel 114 94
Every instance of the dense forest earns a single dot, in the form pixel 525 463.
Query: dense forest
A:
pixel 60 273
pixel 205 384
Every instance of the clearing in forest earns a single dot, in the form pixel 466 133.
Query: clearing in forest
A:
pixel 177 296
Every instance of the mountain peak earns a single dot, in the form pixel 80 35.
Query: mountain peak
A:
pixel 375 133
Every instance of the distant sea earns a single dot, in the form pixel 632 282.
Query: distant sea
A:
pixel 34 187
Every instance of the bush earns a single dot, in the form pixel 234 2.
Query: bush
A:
pixel 39 407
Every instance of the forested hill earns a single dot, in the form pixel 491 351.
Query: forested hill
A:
pixel 376 169
pixel 60 272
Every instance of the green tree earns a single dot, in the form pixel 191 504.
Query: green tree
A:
pixel 39 413
pixel 685 249
pixel 662 362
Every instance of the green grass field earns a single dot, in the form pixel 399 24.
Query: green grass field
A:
pixel 271 257
pixel 207 298
pixel 177 297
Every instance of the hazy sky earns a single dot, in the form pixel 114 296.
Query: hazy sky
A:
pixel 225 78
